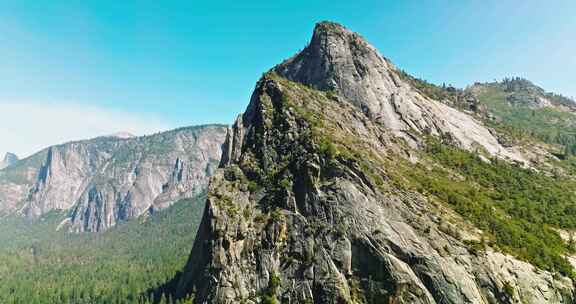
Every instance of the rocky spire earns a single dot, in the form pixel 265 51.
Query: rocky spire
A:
pixel 340 60
pixel 9 160
pixel 303 209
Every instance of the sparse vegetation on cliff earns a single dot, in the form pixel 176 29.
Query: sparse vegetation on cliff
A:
pixel 516 207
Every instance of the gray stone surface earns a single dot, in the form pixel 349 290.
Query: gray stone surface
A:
pixel 340 60
pixel 110 179
pixel 9 160
pixel 286 221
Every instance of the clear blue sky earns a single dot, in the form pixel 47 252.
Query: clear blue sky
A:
pixel 191 62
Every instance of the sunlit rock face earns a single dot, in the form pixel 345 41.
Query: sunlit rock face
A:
pixel 290 218
pixel 110 179
pixel 9 160
pixel 342 61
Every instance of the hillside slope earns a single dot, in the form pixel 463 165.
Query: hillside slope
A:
pixel 530 111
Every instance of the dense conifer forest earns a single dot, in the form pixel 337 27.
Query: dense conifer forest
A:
pixel 41 265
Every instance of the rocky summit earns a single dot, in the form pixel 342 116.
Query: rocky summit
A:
pixel 316 199
pixel 103 181
pixel 341 61
pixel 9 160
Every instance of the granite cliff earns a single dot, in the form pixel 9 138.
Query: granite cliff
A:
pixel 9 160
pixel 313 201
pixel 105 180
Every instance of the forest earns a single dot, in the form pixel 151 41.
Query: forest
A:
pixel 518 209
pixel 39 265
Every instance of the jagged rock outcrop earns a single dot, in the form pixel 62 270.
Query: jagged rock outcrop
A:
pixel 9 160
pixel 306 209
pixel 109 179
pixel 340 60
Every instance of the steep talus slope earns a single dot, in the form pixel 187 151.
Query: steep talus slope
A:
pixel 109 179
pixel 310 205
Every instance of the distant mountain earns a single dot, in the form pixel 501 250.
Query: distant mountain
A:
pixel 529 111
pixel 123 135
pixel 348 181
pixel 103 181
pixel 522 92
pixel 9 160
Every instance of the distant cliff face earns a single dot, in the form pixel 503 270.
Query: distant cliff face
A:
pixel 110 179
pixel 9 160
pixel 313 203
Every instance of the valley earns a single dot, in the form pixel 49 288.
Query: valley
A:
pixel 41 265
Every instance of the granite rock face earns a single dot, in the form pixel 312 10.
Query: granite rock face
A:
pixel 342 61
pixel 292 219
pixel 9 160
pixel 110 179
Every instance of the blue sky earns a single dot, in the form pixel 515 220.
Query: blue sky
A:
pixel 164 64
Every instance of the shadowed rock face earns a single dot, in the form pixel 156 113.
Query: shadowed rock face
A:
pixel 110 179
pixel 289 219
pixel 9 160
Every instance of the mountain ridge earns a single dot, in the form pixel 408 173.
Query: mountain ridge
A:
pixel 107 179
pixel 323 196
pixel 340 60
pixel 526 93
pixel 9 160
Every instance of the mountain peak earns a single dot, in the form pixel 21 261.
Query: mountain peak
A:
pixel 340 60
pixel 524 93
pixel 343 62
pixel 329 59
pixel 328 27
pixel 9 160
pixel 331 37
pixel 10 157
